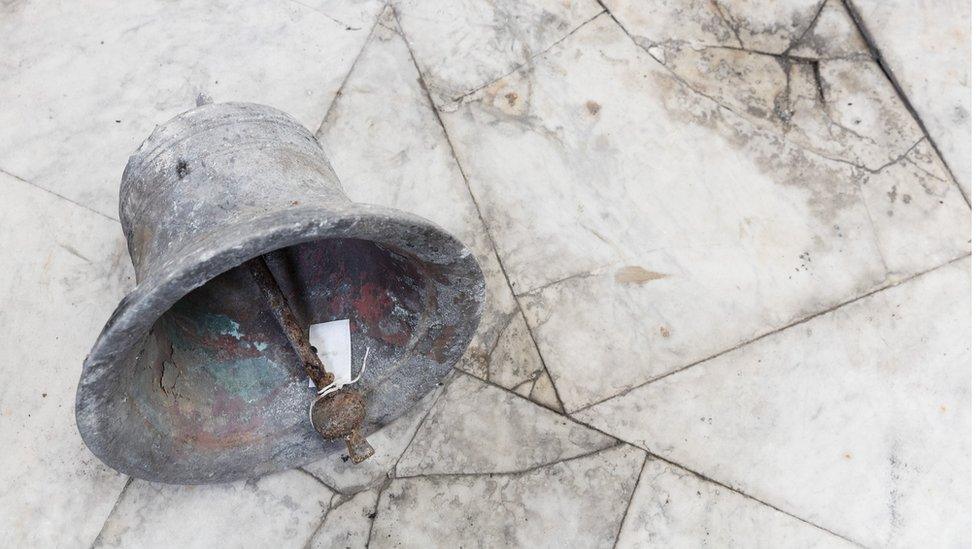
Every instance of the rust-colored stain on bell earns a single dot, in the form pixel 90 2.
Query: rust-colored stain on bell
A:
pixel 196 377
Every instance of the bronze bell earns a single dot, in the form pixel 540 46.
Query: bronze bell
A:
pixel 196 377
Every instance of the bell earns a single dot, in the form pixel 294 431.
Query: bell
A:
pixel 197 377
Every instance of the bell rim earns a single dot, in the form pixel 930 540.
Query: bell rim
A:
pixel 188 268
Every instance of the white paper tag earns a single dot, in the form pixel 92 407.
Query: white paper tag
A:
pixel 333 344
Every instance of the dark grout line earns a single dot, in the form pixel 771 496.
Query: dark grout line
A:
pixel 352 68
pixel 317 479
pixel 61 196
pixel 630 501
pixel 335 20
pixel 793 324
pixel 325 515
pixel 813 22
pixel 745 495
pixel 421 423
pixel 474 201
pixel 620 441
pixel 858 21
pixel 118 500
pixel 563 415
pixel 376 509
pixel 528 61
pixel 525 471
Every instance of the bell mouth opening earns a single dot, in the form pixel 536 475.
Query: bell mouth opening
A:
pixel 216 369
pixel 192 381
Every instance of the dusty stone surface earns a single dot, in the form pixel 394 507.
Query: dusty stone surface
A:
pixel 648 191
pixel 477 428
pixel 461 46
pixel 674 508
pixel 64 267
pixel 387 147
pixel 280 510
pixel 851 420
pixel 927 45
pixel 643 251
pixel 145 62
pixel 576 502
pixel 347 523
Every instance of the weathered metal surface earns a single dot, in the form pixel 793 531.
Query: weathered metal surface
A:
pixel 339 414
pixel 192 380
pixel 357 446
pixel 282 312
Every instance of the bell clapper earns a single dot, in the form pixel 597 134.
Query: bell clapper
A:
pixel 337 412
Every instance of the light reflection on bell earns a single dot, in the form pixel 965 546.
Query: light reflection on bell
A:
pixel 192 380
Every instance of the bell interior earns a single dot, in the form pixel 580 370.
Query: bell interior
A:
pixel 217 372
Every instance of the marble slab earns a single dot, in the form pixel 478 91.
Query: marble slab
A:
pixel 64 268
pixel 573 503
pixel 83 85
pixel 478 428
pixel 387 147
pixel 646 224
pixel 674 508
pixel 857 420
pixel 280 510
pixel 463 45
pixel 927 45
pixel 348 522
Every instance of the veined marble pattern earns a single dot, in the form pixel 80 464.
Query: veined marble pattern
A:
pixel 927 46
pixel 82 86
pixel 853 420
pixel 728 274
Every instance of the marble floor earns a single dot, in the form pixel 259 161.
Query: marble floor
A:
pixel 727 249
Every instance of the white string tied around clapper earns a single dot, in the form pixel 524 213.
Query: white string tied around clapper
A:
pixel 335 386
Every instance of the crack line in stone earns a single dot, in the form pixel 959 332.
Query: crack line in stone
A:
pixel 795 323
pixel 520 472
pixel 422 422
pixel 704 478
pixel 474 201
pixel 796 42
pixel 108 517
pixel 630 501
pixel 325 516
pixel 61 196
pixel 342 86
pixel 529 60
pixel 890 75
pixel 376 508
pixel 347 26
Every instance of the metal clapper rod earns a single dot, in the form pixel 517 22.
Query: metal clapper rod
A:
pixel 339 414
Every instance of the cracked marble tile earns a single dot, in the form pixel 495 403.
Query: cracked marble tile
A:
pixel 280 510
pixel 674 508
pixel 70 129
pixel 574 503
pixel 544 392
pixel 926 43
pixel 822 89
pixel 388 148
pixel 478 428
pixel 648 226
pixel 348 522
pixel 64 269
pixel 857 420
pixel 462 46
pixel 750 24
pixel 389 443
